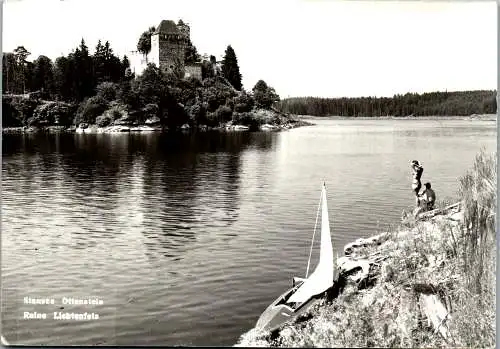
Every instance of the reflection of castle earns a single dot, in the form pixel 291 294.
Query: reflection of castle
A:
pixel 168 50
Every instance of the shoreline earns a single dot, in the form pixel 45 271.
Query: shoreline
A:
pixel 359 257
pixel 388 282
pixel 295 121
pixel 485 117
pixel 145 129
pixel 281 122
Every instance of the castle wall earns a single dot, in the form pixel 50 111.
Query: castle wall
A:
pixel 193 70
pixel 170 51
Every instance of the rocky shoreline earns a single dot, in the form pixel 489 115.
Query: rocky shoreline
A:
pixel 381 291
pixel 269 121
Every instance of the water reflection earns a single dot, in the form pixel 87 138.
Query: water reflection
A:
pixel 196 180
pixel 170 188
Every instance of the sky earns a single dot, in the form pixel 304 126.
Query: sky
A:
pixel 323 48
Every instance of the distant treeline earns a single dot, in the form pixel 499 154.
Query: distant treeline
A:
pixel 426 104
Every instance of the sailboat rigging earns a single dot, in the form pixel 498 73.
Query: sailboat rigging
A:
pixel 305 291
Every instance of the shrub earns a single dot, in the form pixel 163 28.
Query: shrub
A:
pixel 211 119
pixel 216 92
pixel 24 108
pixel 118 114
pixel 103 120
pixel 128 96
pixel 197 113
pixel 108 91
pixel 246 119
pixel 149 87
pixel 10 116
pixel 230 104
pixel 90 109
pixel 150 110
pixel 264 95
pixel 173 114
pixel 52 113
pixel 223 113
pixel 243 103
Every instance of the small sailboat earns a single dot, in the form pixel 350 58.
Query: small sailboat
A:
pixel 305 291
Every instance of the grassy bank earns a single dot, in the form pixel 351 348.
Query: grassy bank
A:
pixel 451 255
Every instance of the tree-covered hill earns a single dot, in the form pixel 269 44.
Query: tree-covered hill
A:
pixel 99 88
pixel 427 104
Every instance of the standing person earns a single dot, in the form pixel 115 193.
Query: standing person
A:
pixel 416 185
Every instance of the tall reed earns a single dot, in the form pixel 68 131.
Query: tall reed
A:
pixel 478 194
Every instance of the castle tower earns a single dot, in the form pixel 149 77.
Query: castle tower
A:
pixel 168 45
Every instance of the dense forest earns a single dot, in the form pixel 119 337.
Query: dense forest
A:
pixel 99 88
pixel 411 104
pixel 69 78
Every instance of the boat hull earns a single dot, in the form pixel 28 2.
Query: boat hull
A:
pixel 278 313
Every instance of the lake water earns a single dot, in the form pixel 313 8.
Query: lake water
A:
pixel 187 239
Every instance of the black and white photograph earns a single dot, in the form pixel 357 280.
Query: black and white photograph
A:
pixel 249 173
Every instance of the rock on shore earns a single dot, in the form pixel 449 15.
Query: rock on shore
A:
pixel 117 129
pixel 258 119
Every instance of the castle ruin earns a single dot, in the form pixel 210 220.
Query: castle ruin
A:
pixel 168 49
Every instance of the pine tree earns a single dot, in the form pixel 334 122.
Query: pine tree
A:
pixel 83 72
pixel 10 78
pixel 43 75
pixel 230 68
pixel 99 63
pixel 125 68
pixel 112 63
pixel 21 54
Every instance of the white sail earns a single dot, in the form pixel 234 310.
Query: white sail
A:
pixel 322 277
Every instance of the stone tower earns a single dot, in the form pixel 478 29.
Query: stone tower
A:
pixel 168 45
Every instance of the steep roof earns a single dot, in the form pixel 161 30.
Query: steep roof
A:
pixel 168 27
